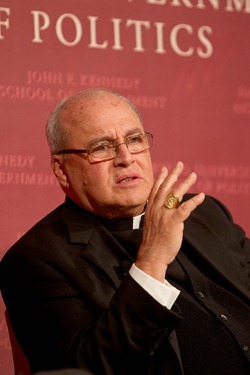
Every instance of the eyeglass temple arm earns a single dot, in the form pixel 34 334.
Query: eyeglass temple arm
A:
pixel 71 151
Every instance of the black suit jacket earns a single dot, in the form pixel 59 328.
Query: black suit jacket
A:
pixel 72 302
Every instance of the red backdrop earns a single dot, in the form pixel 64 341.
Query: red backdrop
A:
pixel 184 63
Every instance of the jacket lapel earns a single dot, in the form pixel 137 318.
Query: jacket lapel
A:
pixel 107 254
pixel 98 246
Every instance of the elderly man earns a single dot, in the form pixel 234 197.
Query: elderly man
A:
pixel 129 275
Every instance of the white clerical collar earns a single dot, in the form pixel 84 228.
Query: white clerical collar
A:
pixel 137 221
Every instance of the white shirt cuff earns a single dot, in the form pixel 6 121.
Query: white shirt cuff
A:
pixel 164 293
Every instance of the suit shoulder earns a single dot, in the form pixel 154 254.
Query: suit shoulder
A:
pixel 211 206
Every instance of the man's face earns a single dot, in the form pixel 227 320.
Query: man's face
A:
pixel 112 188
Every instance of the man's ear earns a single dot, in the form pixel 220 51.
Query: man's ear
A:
pixel 59 170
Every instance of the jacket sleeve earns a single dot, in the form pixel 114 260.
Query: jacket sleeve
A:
pixel 64 319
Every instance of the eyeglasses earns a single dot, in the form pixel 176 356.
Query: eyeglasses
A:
pixel 135 143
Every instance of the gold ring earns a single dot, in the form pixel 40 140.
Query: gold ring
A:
pixel 172 201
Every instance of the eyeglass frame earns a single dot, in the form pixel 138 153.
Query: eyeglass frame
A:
pixel 115 146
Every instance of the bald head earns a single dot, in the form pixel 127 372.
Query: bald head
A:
pixel 78 107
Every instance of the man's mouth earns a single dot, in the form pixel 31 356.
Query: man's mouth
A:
pixel 126 179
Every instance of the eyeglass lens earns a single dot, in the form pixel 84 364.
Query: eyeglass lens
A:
pixel 136 143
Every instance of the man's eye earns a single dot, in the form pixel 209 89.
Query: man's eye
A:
pixel 135 139
pixel 100 148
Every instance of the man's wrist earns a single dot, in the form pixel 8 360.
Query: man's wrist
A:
pixel 165 293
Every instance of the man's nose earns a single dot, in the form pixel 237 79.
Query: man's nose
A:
pixel 123 155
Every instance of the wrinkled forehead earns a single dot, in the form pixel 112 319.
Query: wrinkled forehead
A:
pixel 85 110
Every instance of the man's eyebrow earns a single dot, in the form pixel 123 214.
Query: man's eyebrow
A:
pixel 107 138
pixel 104 138
pixel 134 131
